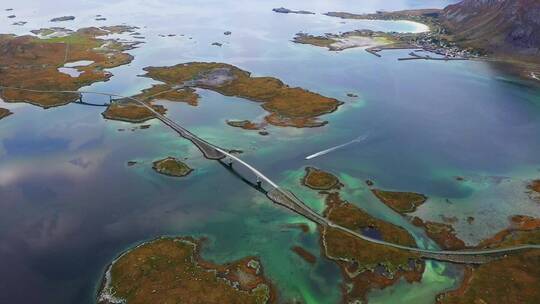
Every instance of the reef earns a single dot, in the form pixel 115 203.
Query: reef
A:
pixel 301 226
pixel 4 113
pixel 319 180
pixel 304 254
pixel 31 62
pixel 347 40
pixel 172 167
pixel 283 10
pixel 244 124
pixel 288 106
pixel 366 266
pixel 171 270
pixel 534 186
pixel 63 18
pixel 401 202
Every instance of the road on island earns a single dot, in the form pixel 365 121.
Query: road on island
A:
pixel 287 199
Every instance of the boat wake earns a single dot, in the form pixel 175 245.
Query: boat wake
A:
pixel 324 152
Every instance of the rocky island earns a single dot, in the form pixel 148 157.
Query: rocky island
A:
pixel 401 202
pixel 244 124
pixel 319 180
pixel 172 167
pixel 171 270
pixel 4 113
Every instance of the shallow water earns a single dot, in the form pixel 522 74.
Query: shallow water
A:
pixel 71 203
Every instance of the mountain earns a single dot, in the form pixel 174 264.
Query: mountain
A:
pixel 503 27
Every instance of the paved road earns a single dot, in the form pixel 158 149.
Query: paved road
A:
pixel 287 199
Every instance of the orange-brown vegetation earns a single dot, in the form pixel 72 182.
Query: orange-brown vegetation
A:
pixel 170 270
pixel 165 92
pixel 287 106
pixel 443 234
pixel 521 231
pixel 402 202
pixel 131 112
pixel 32 63
pixel 319 180
pixel 513 279
pixel 366 265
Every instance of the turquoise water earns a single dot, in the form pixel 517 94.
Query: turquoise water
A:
pixel 71 203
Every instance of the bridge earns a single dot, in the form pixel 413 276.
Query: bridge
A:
pixel 288 200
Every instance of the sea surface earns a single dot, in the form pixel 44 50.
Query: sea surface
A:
pixel 70 203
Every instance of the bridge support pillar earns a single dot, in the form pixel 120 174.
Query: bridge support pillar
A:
pixel 230 163
pixel 259 183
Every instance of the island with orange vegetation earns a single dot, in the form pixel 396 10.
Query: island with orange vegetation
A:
pixel 406 202
pixel 171 270
pixel 319 180
pixel 131 111
pixel 366 266
pixel 4 113
pixel 511 279
pixel 172 167
pixel 401 202
pixel 287 106
pixel 34 62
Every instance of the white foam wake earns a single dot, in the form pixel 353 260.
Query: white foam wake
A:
pixel 323 152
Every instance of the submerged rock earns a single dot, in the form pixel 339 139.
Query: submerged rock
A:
pixel 63 18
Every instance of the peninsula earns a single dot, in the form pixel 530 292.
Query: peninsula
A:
pixel 171 270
